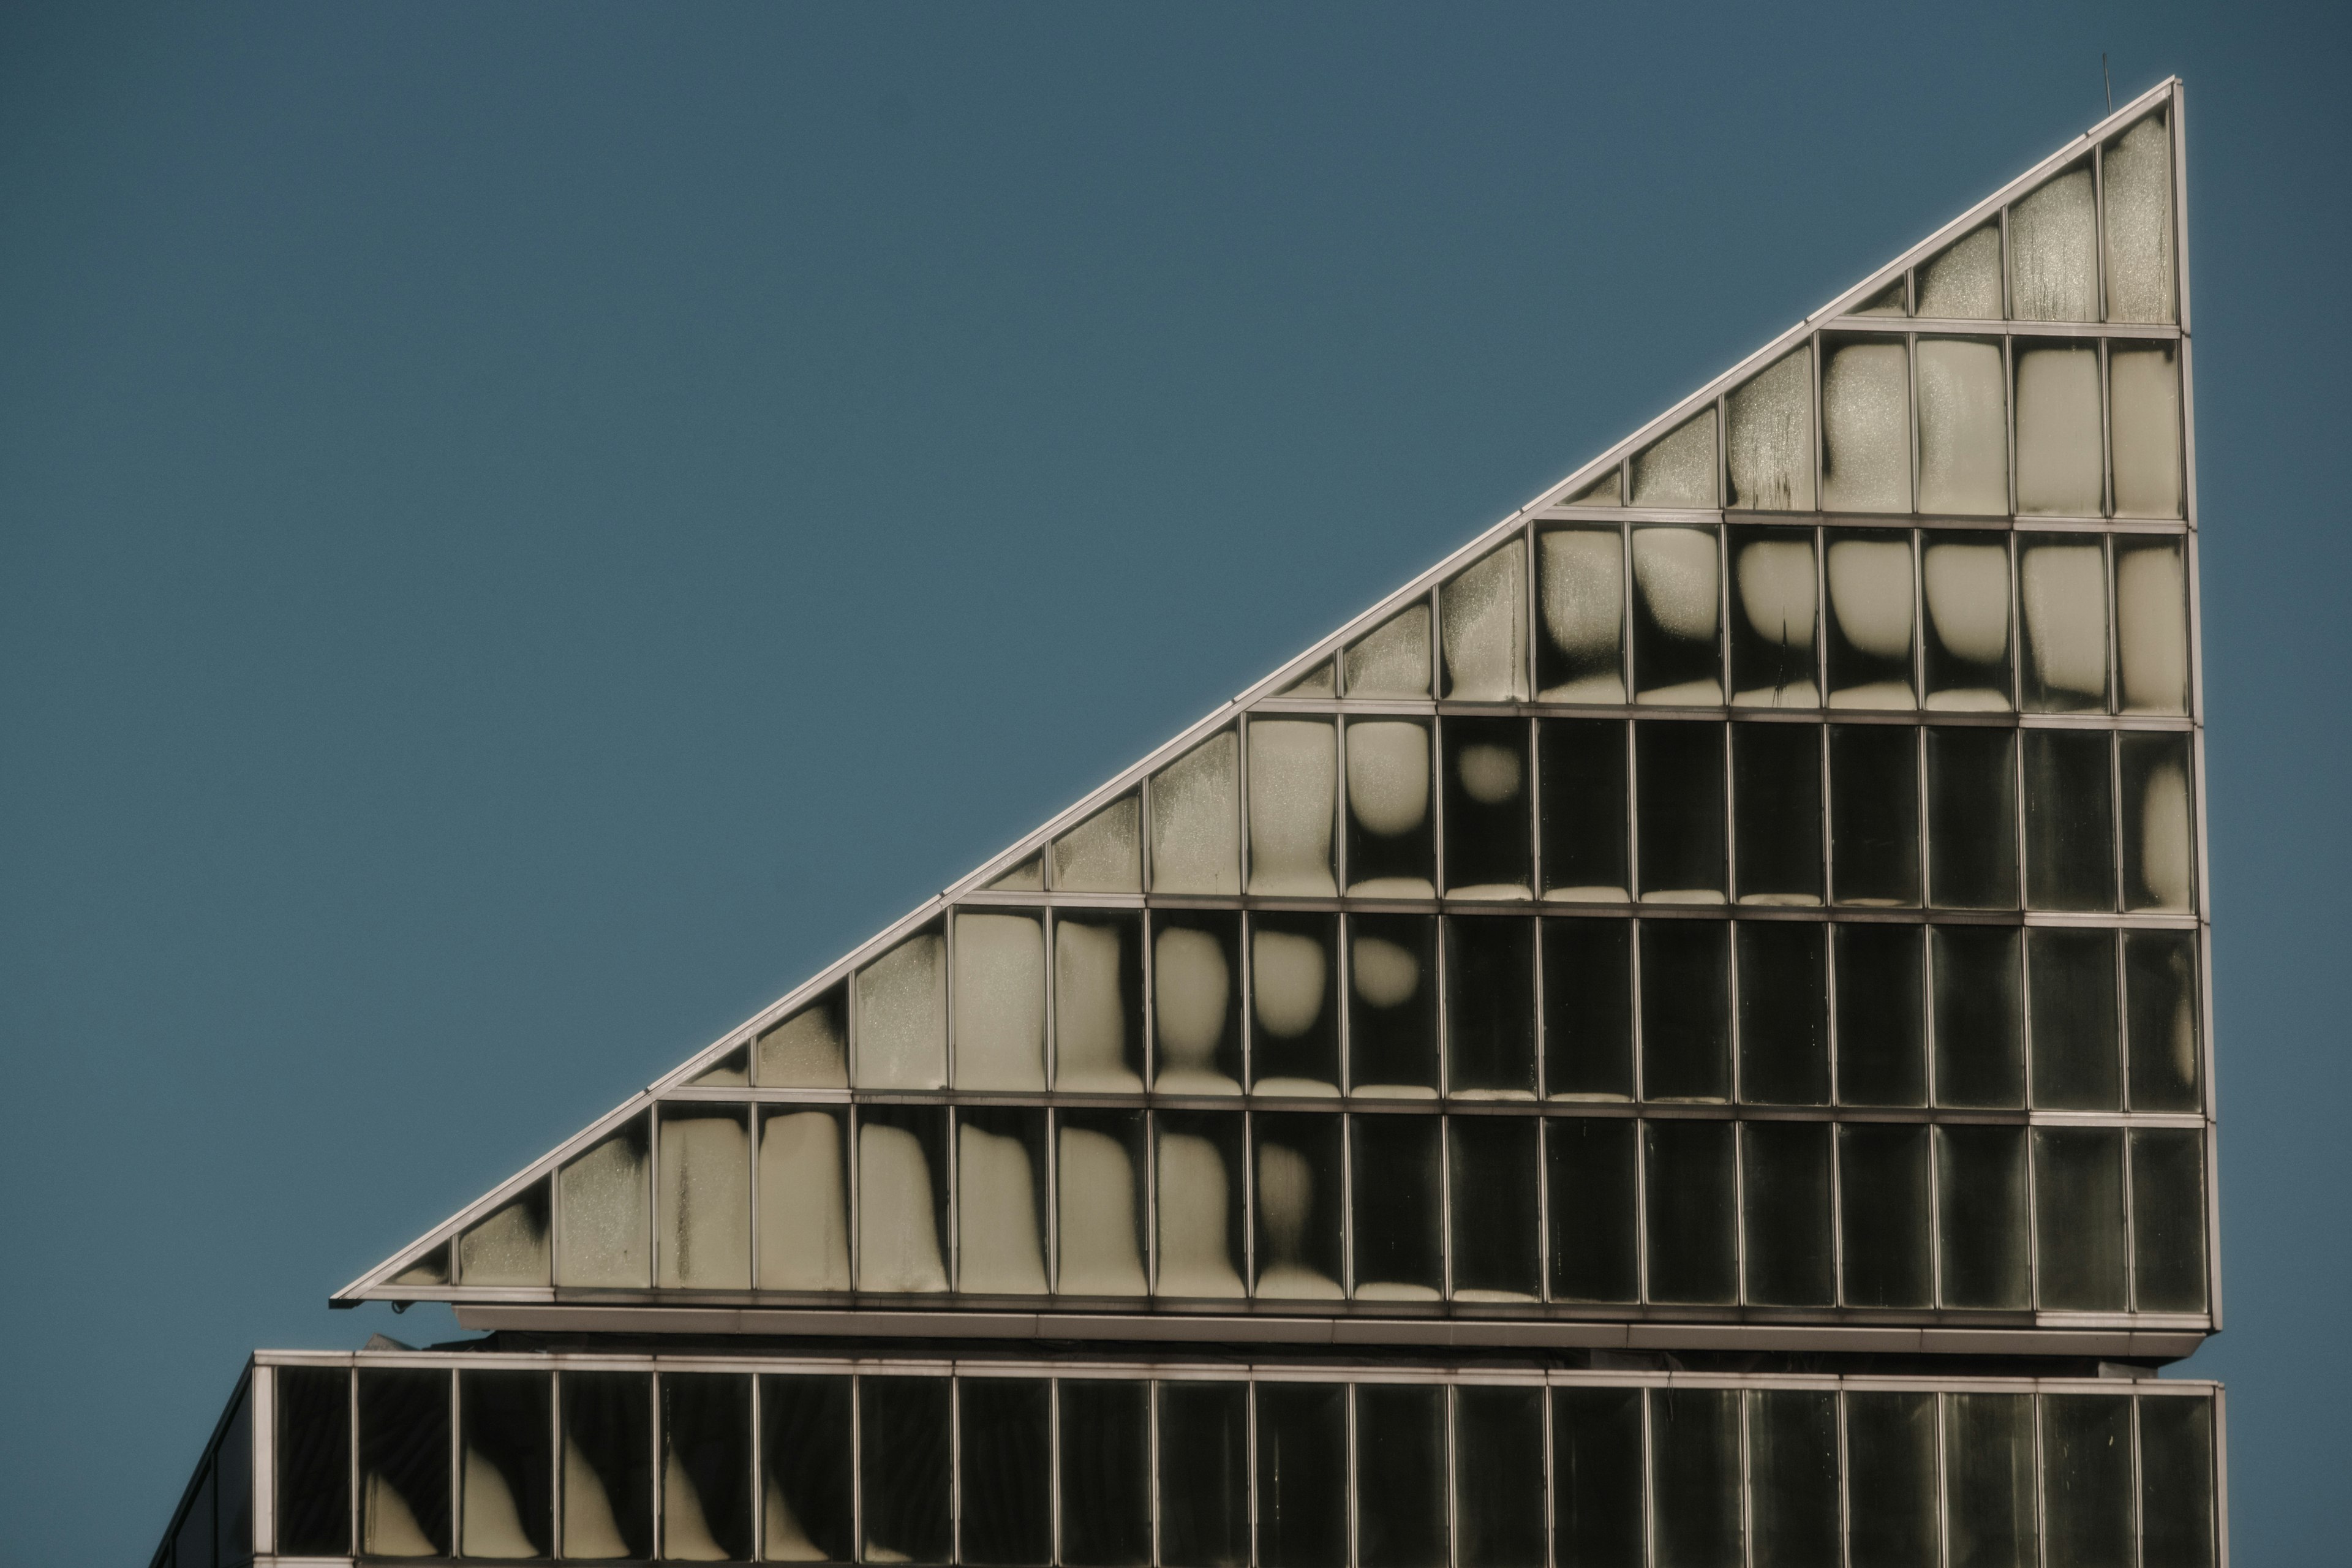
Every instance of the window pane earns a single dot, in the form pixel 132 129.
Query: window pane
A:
pixel 1988 1474
pixel 1196 1001
pixel 2053 257
pixel 1792 1440
pixel 1580 581
pixel 1869 575
pixel 2070 1013
pixel 2159 834
pixel 2152 624
pixel 1773 597
pixel 1102 1207
pixel 508 1463
pixel 1099 1001
pixel 2168 1220
pixel 1963 427
pixel 1487 825
pixel 1400 1237
pixel 1392 850
pixel 1882 1057
pixel 404 1463
pixel 2078 1201
pixel 1588 1027
pixel 1769 437
pixel 1679 468
pixel 1200 1175
pixel 1784 1027
pixel 1482 617
pixel 1694 1477
pixel 1196 820
pixel 805 1448
pixel 706 1466
pixel 1498 1476
pixel 1496 1215
pixel 1979 1016
pixel 507 1247
pixel 2144 428
pixel 1295 1003
pixel 1971 819
pixel 809 1049
pixel 2176 1483
pixel 2160 995
pixel 1688 1173
pixel 1105 1459
pixel 1984 1226
pixel 1965 581
pixel 1963 283
pixel 900 1026
pixel 1400 1512
pixel 1882 1188
pixel 608 1464
pixel 2070 858
pixel 705 1236
pixel 902 1197
pixel 1293 766
pixel 2063 593
pixel 1679 773
pixel 1583 809
pixel 314 1461
pixel 1677 592
pixel 1890 1495
pixel 1596 1444
pixel 1776 787
pixel 232 1461
pixel 1865 425
pixel 1302 1475
pixel 1686 1010
pixel 1874 815
pixel 1000 999
pixel 1392 658
pixel 1000 1200
pixel 804 1200
pixel 1103 854
pixel 1005 1424
pixel 604 1232
pixel 1392 1011
pixel 1594 1209
pixel 1205 1505
pixel 1298 1199
pixel 2137 182
pixel 1490 1008
pixel 2086 1479
pixel 903 1463
pixel 1792 1260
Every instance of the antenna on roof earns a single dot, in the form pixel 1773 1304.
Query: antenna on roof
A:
pixel 2107 83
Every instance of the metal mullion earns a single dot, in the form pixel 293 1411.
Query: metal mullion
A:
pixel 1919 652
pixel 952 1221
pixel 1443 928
pixel 2131 1247
pixel 1530 605
pixel 1053 1178
pixel 2140 1525
pixel 1911 386
pixel 1829 818
pixel 1832 1033
pixel 1151 1462
pixel 1241 798
pixel 1347 1205
pixel 456 1464
pixel 1722 452
pixel 654 1248
pixel 262 1451
pixel 852 1121
pixel 1927 983
pixel 1845 1487
pixel 1150 1175
pixel 2008 260
pixel 1443 879
pixel 1342 808
pixel 2099 226
pixel 1550 1469
pixel 759 1512
pixel 1450 1400
pixel 1641 1210
pixel 1625 605
pixel 2220 1476
pixel 1433 597
pixel 1745 1402
pixel 661 1522
pixel 1246 960
pixel 1649 1477
pixel 1820 434
pixel 1054 1462
pixel 1535 843
pixel 1739 1204
pixel 752 1132
pixel 1249 1480
pixel 352 1415
pixel 1049 918
pixel 857 1466
pixel 1935 1215
pixel 2041 1489
pixel 955 1468
pixel 2009 389
pixel 2107 434
pixel 1249 1204
pixel 1354 1500
pixel 1937 1403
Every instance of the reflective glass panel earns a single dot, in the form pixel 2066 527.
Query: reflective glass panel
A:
pixel 1295 1003
pixel 1482 617
pixel 605 1231
pixel 1198 1163
pixel 1302 1475
pixel 1883 1195
pixel 1870 620
pixel 1769 437
pixel 809 1049
pixel 704 1236
pixel 2062 593
pixel 404 1462
pixel 903 1451
pixel 2168 1167
pixel 2078 1231
pixel 1098 1001
pixel 1487 823
pixel 1989 1481
pixel 1588 1006
pixel 1686 1010
pixel 1595 1207
pixel 1687 1171
pixel 314 1461
pixel 1293 766
pixel 1297 1200
pixel 1678 596
pixel 508 1245
pixel 1596 1440
pixel 2054 251
pixel 1490 1008
pixel 1196 820
pixel 1103 854
pixel 1983 1226
pixel 1890 1480
pixel 2160 830
pixel 1971 817
pixel 2176 1483
pixel 1963 283
pixel 1103 1212
pixel 901 1018
pixel 2070 844
pixel 1402 1517
pixel 1392 658
pixel 2071 1020
pixel 1694 1480
pixel 1498 1477
pixel 2151 624
pixel 608 1464
pixel 902 1197
pixel 2086 1479
pixel 1392 848
pixel 1776 791
pixel 706 1514
pixel 804 1463
pixel 1882 1032
pixel 803 1199
pixel 1204 1502
pixel 1679 468
pixel 1792 1464
pixel 1980 1015
pixel 1580 588
pixel 1874 815
pixel 2059 455
pixel 1963 428
pixel 1000 999
pixel 1774 597
pixel 2160 1002
pixel 1000 1200
pixel 2136 182
pixel 1007 1507
pixel 1865 425
pixel 1784 1025
pixel 1963 580
pixel 1584 810
pixel 1392 1006
pixel 2144 428
pixel 1399 1227
pixel 1791 1259
pixel 1105 1472
pixel 1497 1215
pixel 1196 1001
pixel 1679 773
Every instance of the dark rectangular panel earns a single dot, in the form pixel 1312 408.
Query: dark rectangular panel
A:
pixel 1678 785
pixel 1891 1479
pixel 1497 1218
pixel 1399 1217
pixel 608 1464
pixel 707 1466
pixel 2086 1479
pixel 1882 1029
pixel 2176 1483
pixel 1595 1208
pixel 1792 1444
pixel 1688 1177
pixel 1784 1025
pixel 1694 1482
pixel 903 1469
pixel 1989 1478
pixel 1400 1508
pixel 314 1461
pixel 1874 815
pixel 1006 1453
pixel 805 1482
pixel 1979 1016
pixel 1971 817
pixel 2078 1219
pixel 1776 791
pixel 405 1462
pixel 1487 823
pixel 1791 1259
pixel 2071 1020
pixel 1983 1223
pixel 2168 1197
pixel 1588 1006
pixel 1686 1009
pixel 2070 821
pixel 1498 1477
pixel 1105 1472
pixel 1302 1475
pixel 1597 1499
pixel 1883 1187
pixel 1582 808
pixel 504 1424
pixel 1204 1520
pixel 1490 1006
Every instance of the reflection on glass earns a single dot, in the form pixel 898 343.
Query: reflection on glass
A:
pixel 2070 858
pixel 1487 850
pixel 1963 283
pixel 1098 1001
pixel 1104 853
pixel 1106 1476
pixel 1695 1491
pixel 314 1460
pixel 1769 437
pixel 1297 1201
pixel 1785 1193
pixel 1596 1438
pixel 1391 852
pixel 1887 301
pixel 1318 681
pixel 1000 1200
pixel 1776 790
pixel 1679 468
pixel 1979 1015
pixel 1874 815
pixel 2160 1002
pixel 1196 820
pixel 1971 819
pixel 804 1469
pixel 604 1232
pixel 508 1247
pixel 1869 572
pixel 1982 1224
pixel 404 1462
pixel 1199 1164
pixel 705 1232
pixel 1687 1175
pixel 1196 971
pixel 506 1465
pixel 1204 1504
pixel 1865 425
pixel 1882 1214
pixel 1678 780
pixel 804 1200
pixel 1028 876
pixel 1588 1009
pixel 1890 1480
pixel 1302 1475
pixel 1498 1477
pixel 1677 592
pixel 2054 251
pixel 1602 491
pixel 2144 428
pixel 1006 1512
pixel 706 1514
pixel 2071 1018
pixel 902 1197
pixel 1988 1475
pixel 1965 580
pixel 1882 1030
pixel 901 1029
pixel 2168 1169
pixel 1482 617
pixel 1792 1470
pixel 1963 428
pixel 2176 1483
pixel 2059 460
pixel 2159 837
pixel 1295 1003
pixel 2086 1477
pixel 1784 1027
pixel 809 1049
pixel 2078 1232
pixel 2063 588
pixel 1686 1010
pixel 1594 1202
pixel 1392 658
pixel 903 1447
pixel 1496 1224
pixel 1580 588
pixel 1392 1010
pixel 1400 1492
pixel 1102 1203
pixel 2151 624
pixel 1490 1008
pixel 1584 810
pixel 2137 182
pixel 729 1071
pixel 608 1465
pixel 1291 768
pixel 1773 597
pixel 1400 1231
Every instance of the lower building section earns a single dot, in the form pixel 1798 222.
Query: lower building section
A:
pixel 488 1455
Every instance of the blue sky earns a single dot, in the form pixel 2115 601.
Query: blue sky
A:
pixel 525 531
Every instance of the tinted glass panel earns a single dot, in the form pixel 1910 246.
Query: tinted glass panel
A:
pixel 404 1463
pixel 1496 1219
pixel 804 1486
pixel 1883 1183
pixel 1873 813
pixel 1490 1006
pixel 1302 1475
pixel 508 1506
pixel 2071 1018
pixel 1792 1442
pixel 1784 1025
pixel 1392 1004
pixel 1588 1006
pixel 1498 1477
pixel 1106 1458
pixel 1791 1258
pixel 1006 1425
pixel 903 1460
pixel 1401 1511
pixel 1487 823
pixel 1597 1476
pixel 608 1464
pixel 1882 1057
pixel 1688 1173
pixel 1594 1209
pixel 1971 819
pixel 1203 1474
pixel 1583 809
pixel 1775 787
pixel 1399 1228
pixel 1695 1491
pixel 1679 773
pixel 1890 1446
pixel 314 1461
pixel 1979 1016
pixel 1686 1010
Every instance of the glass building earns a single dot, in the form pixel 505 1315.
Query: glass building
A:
pixel 1681 1037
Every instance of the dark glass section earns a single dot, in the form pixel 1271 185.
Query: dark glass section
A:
pixel 707 1466
pixel 1487 822
pixel 1298 1204
pixel 1302 1475
pixel 1890 1480
pixel 1582 808
pixel 1776 790
pixel 1882 1030
pixel 2176 1483
pixel 1689 1182
pixel 2160 1004
pixel 1671 650
pixel 2078 1196
pixel 1498 1477
pixel 1197 999
pixel 2167 1196
pixel 1772 660
pixel 805 1483
pixel 1596 1446
pixel 1883 1190
pixel 1400 1512
pixel 1989 1472
pixel 903 1465
pixel 1006 1429
pixel 404 1463
pixel 1984 1225
pixel 314 1461
pixel 1979 1016
pixel 1106 1473
pixel 1791 1260
pixel 191 1538
pixel 1587 1027
pixel 2070 821
pixel 2086 1479
pixel 1498 1220
pixel 1784 1025
pixel 1971 817
pixel 233 1474
pixel 508 1464
pixel 1874 814
pixel 1490 1005
pixel 1392 842
pixel 1694 1477
pixel 1295 1024
pixel 1679 784
pixel 1204 1520
pixel 1400 1225
pixel 1869 653
pixel 1099 1037
pixel 1594 1209
pixel 2071 1016
pixel 2159 830
pixel 1792 1460
pixel 1686 1010
pixel 1392 1003
pixel 608 1464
